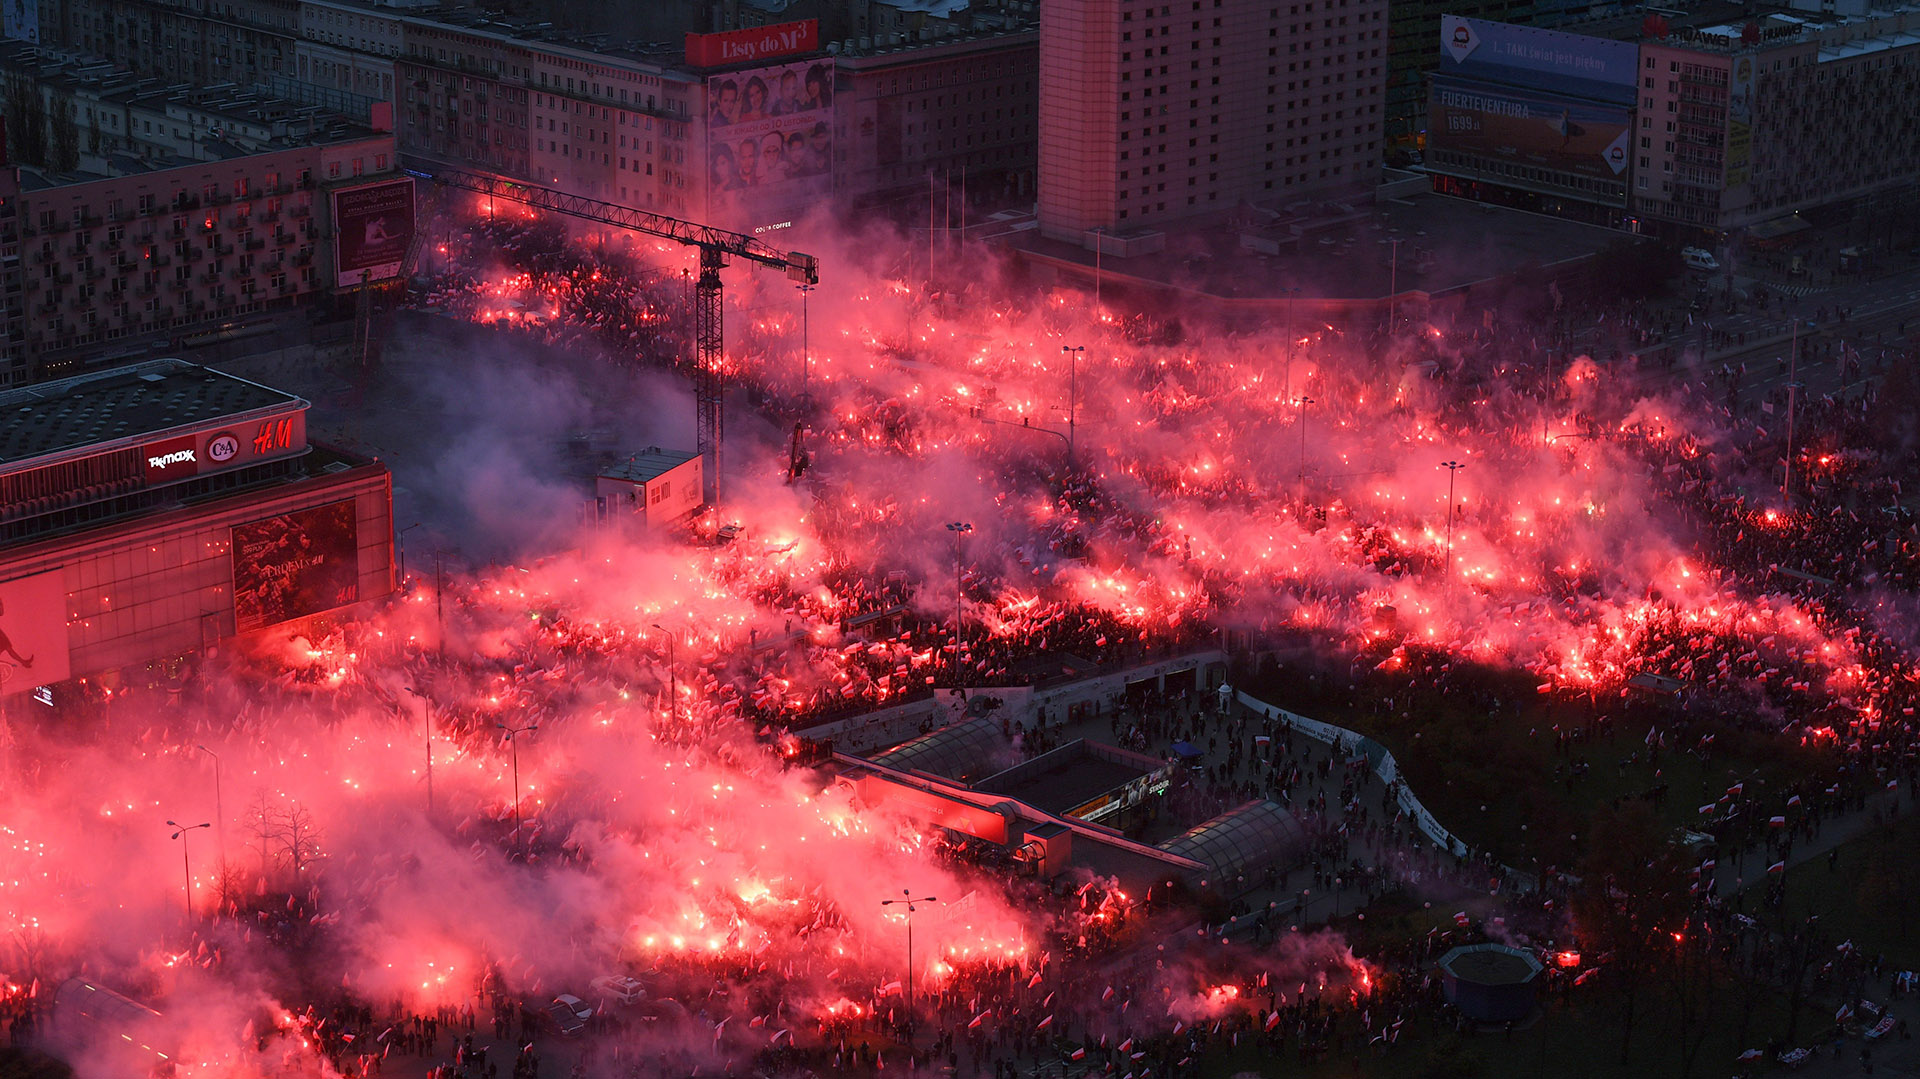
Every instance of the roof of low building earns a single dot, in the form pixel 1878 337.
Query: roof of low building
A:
pixel 122 403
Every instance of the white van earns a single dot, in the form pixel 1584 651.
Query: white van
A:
pixel 1699 258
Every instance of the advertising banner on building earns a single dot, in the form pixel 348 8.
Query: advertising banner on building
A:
pixel 756 44
pixel 1537 130
pixel 22 19
pixel 769 143
pixel 33 632
pixel 1740 123
pixel 372 228
pixel 294 565
pixel 1526 56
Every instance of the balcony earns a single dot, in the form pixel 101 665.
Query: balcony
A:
pixel 256 244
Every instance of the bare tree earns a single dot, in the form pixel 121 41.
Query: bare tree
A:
pixel 285 836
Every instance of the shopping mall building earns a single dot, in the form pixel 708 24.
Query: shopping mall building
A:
pixel 148 512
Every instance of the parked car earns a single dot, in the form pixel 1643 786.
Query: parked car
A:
pixel 564 1015
pixel 620 989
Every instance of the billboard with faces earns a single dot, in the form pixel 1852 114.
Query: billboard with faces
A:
pixel 769 143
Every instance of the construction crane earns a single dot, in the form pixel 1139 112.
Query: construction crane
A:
pixel 716 245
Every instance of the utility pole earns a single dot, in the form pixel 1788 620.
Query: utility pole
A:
pixel 1453 471
pixel 959 529
pixel 1286 387
pixel 1793 387
pixel 219 811
pixel 426 703
pixel 1304 402
pixel 1073 392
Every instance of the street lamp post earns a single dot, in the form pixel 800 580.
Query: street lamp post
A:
pixel 1453 471
pixel 1304 402
pixel 1073 392
pixel 219 810
pixel 908 902
pixel 1286 381
pixel 806 353
pixel 515 746
pixel 180 832
pixel 1393 281
pixel 402 545
pixel 959 529
pixel 426 704
pixel 1793 386
pixel 673 678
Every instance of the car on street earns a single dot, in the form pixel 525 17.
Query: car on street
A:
pixel 564 1015
pixel 620 989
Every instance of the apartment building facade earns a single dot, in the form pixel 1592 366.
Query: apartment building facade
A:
pixel 1154 112
pixel 1751 120
pixel 150 252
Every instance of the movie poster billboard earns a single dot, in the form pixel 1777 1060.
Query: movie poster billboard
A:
pixel 33 632
pixel 295 565
pixel 372 228
pixel 769 143
pixel 1598 68
pixel 1538 130
pixel 21 19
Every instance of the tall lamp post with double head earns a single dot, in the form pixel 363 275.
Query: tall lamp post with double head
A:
pixel 426 724
pixel 908 901
pixel 959 530
pixel 514 745
pixel 1453 472
pixel 1286 380
pixel 1073 393
pixel 186 864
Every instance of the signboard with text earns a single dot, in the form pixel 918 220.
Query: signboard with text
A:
pixel 1525 129
pixel 372 228
pixel 172 459
pixel 294 565
pixel 1591 67
pixel 755 45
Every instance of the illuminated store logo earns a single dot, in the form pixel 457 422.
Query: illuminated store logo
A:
pixel 177 457
pixel 274 435
pixel 222 448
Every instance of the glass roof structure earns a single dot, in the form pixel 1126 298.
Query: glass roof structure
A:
pixel 964 752
pixel 1241 840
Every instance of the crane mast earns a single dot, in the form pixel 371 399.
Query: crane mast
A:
pixel 716 246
